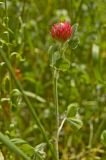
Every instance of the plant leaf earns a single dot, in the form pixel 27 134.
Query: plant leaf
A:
pixel 95 53
pixel 55 57
pixel 74 29
pixel 73 43
pixel 62 64
pixel 18 141
pixel 103 138
pixel 39 150
pixel 72 110
pixel 28 149
pixel 53 54
pixel 75 123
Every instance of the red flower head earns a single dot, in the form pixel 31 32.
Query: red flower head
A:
pixel 61 31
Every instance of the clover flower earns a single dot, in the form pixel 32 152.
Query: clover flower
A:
pixel 61 31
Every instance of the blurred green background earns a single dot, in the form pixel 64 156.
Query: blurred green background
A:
pixel 29 25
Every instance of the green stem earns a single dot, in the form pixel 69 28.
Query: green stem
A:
pixel 6 8
pixel 6 23
pixel 8 40
pixel 13 147
pixel 55 81
pixel 29 105
pixel 79 9
pixel 61 126
pixel 91 135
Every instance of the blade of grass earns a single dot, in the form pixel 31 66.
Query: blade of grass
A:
pixel 9 66
pixel 13 147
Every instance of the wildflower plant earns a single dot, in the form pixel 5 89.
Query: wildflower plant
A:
pixel 26 121
pixel 65 37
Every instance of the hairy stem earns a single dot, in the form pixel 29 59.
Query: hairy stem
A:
pixel 55 81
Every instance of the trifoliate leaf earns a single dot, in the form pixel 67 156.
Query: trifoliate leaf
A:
pixel 39 151
pixel 72 110
pixel 75 123
pixel 62 64
pixel 73 43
